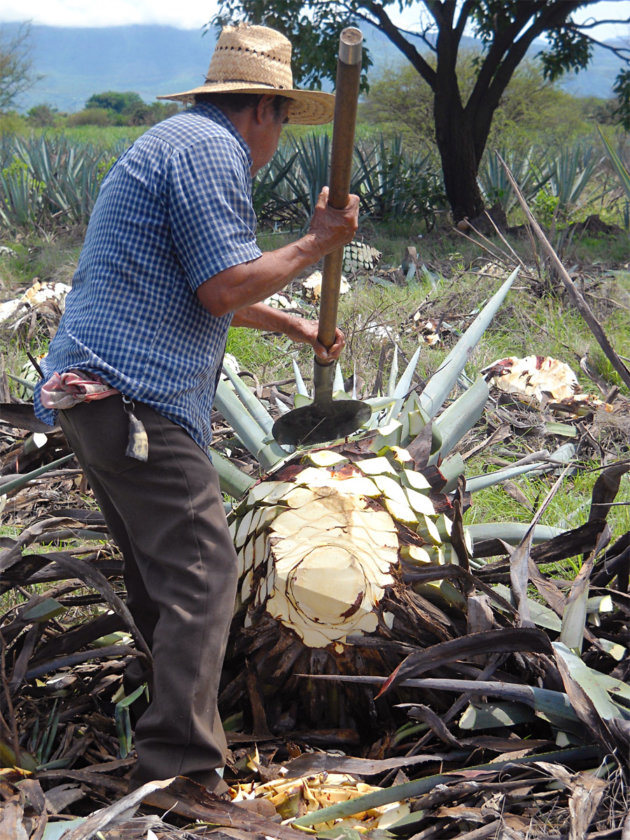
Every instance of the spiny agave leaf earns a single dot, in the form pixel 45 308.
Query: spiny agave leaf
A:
pixel 299 381
pixel 249 432
pixel 480 482
pixel 403 386
pixel 589 680
pixel 605 490
pixel 493 715
pixel 511 532
pixel 21 480
pixel 233 481
pixel 393 373
pixel 622 172
pixel 541 615
pixel 397 793
pixel 451 468
pixel 505 640
pixel 574 615
pixel 459 418
pixel 441 383
pixel 338 385
pixel 249 399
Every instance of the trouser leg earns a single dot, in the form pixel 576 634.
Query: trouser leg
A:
pixel 169 513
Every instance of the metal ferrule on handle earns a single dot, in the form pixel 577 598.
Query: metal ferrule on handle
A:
pixel 346 101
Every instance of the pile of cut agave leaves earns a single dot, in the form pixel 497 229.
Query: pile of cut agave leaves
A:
pixel 357 577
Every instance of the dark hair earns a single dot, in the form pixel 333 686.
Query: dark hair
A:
pixel 240 101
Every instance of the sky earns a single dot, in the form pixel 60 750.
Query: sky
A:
pixel 193 14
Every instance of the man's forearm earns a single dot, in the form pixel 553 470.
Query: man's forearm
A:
pixel 259 316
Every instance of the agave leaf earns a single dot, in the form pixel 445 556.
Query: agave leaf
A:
pixel 493 715
pixel 397 793
pixel 393 373
pixel 249 400
pixel 589 680
pixel 20 480
pixel 248 430
pixel 460 417
pixel 338 385
pixel 541 615
pixel 233 481
pixel 480 482
pixel 622 172
pixel 511 532
pixel 451 468
pixel 574 615
pixel 403 386
pixel 299 381
pixel 441 383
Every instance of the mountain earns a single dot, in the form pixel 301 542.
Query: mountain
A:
pixel 151 60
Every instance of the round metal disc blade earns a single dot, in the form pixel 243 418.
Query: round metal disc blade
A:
pixel 320 422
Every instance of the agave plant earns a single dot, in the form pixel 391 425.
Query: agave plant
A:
pixel 326 534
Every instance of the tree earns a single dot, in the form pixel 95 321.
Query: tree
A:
pixel 15 65
pixel 113 100
pixel 506 30
pixel 532 110
pixel 42 115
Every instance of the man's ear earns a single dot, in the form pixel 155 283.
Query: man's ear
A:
pixel 264 107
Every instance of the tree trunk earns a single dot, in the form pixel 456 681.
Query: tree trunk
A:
pixel 460 158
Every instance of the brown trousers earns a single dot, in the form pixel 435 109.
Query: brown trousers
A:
pixel 168 519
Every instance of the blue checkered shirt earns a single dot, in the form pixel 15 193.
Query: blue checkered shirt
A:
pixel 174 211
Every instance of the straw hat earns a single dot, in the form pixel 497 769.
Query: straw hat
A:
pixel 256 59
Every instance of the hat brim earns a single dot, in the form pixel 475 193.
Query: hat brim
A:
pixel 308 107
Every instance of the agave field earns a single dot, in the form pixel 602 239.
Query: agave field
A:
pixel 431 632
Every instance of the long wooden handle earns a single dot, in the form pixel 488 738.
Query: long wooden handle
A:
pixel 346 101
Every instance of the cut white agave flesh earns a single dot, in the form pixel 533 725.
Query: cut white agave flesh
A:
pixel 248 556
pixel 428 530
pixel 261 549
pixel 391 489
pixel 246 586
pixel 267 493
pixel 243 529
pixel 355 485
pixel 401 512
pixel 240 563
pixel 326 458
pixel 416 481
pixel 416 555
pixel 332 560
pixel 375 466
pixel 420 502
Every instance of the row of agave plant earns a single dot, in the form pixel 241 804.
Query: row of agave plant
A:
pixel 48 178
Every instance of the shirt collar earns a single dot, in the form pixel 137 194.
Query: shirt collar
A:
pixel 217 115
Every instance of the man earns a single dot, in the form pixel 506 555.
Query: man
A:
pixel 170 260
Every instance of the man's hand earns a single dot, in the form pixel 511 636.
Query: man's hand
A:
pixel 334 228
pixel 262 317
pixel 304 331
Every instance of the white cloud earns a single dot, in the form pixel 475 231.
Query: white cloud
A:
pixel 193 14
pixel 186 14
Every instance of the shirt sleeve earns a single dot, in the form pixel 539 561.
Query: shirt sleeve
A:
pixel 212 219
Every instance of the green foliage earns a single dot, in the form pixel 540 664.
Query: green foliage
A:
pixel 90 116
pixel 461 110
pixel 46 179
pixel 42 116
pixel 545 206
pixel 113 100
